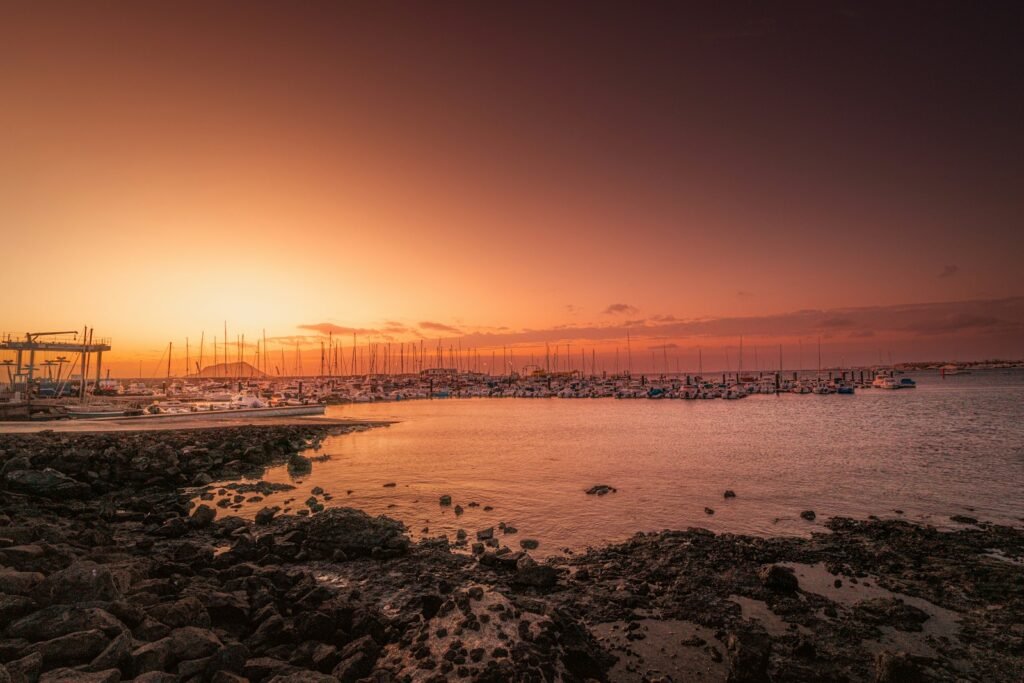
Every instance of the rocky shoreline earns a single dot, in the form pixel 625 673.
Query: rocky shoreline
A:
pixel 109 572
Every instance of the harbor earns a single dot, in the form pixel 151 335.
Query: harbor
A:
pixel 48 390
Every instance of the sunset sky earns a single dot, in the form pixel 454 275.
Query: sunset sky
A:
pixel 515 173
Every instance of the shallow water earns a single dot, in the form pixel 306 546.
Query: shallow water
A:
pixel 953 446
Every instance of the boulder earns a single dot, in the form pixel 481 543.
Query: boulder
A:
pixel 74 648
pixel 202 517
pixel 46 483
pixel 66 675
pixel 155 656
pixel 808 515
pixel 115 655
pixel 83 581
pixel 191 642
pixel 529 573
pixel 357 660
pixel 303 677
pixel 18 583
pixel 27 668
pixel 266 515
pixel 750 653
pixel 59 620
pixel 185 612
pixel 354 533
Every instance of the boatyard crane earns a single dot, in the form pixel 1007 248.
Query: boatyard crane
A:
pixel 32 344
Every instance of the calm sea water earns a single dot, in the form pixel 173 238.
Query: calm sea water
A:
pixel 953 446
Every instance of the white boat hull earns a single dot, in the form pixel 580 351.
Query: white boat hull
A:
pixel 230 414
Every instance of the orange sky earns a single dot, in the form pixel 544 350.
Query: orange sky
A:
pixel 513 174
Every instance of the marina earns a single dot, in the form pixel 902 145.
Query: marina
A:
pixel 57 394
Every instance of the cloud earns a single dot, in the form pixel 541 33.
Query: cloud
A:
pixel 663 347
pixel 617 309
pixel 956 322
pixel 974 316
pixel 907 321
pixel 744 294
pixel 949 271
pixel 331 328
pixel 572 309
pixel 439 327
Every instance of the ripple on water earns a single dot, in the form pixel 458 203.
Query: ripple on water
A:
pixel 931 453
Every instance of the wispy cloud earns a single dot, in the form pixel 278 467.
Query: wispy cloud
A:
pixel 331 328
pixel 439 327
pixel 988 316
pixel 619 309
pixel 978 316
pixel 949 271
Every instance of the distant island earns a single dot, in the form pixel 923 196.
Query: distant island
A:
pixel 242 369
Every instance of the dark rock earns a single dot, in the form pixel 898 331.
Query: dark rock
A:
pixel 600 490
pixel 185 612
pixel 898 667
pixel 963 519
pixel 357 660
pixel 60 620
pixel 83 581
pixel 46 483
pixel 266 515
pixel 485 534
pixel 529 544
pixel 202 517
pixel 115 656
pixel 262 668
pixel 74 648
pixel 709 511
pixel 750 653
pixel 155 656
pixel 808 515
pixel 354 533
pixel 446 500
pixel 13 607
pixel 66 675
pixel 26 669
pixel 778 578
pixel 529 573
pixel 891 612
pixel 18 583
pixel 729 493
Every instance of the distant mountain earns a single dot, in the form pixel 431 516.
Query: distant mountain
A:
pixel 228 370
